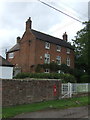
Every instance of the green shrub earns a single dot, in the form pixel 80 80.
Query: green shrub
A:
pixel 64 68
pixel 54 67
pixel 79 74
pixel 64 77
pixel 68 78
pixel 22 75
pixel 85 78
pixel 39 68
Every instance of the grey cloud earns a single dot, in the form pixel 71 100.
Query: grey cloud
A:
pixel 15 15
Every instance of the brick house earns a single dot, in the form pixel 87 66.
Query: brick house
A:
pixel 38 48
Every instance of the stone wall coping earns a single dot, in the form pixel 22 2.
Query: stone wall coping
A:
pixel 31 79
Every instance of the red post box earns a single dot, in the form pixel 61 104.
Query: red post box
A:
pixel 54 90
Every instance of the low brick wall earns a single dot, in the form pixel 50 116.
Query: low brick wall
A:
pixel 15 92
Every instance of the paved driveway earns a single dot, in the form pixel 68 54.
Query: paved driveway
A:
pixel 77 112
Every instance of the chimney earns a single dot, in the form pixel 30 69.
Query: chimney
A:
pixel 65 36
pixel 28 24
pixel 18 39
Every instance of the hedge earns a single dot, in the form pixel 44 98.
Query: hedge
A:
pixel 85 78
pixel 64 77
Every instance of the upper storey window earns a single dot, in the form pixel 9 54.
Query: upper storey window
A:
pixel 47 45
pixel 11 55
pixel 68 51
pixel 68 61
pixel 58 48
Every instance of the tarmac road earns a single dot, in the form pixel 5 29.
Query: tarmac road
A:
pixel 76 112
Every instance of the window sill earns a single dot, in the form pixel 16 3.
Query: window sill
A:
pixel 47 48
pixel 68 53
pixel 58 50
pixel 11 58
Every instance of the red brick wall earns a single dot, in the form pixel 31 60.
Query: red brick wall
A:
pixel 16 59
pixel 25 57
pixel 40 51
pixel 27 51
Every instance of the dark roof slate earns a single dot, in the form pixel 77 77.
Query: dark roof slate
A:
pixel 4 62
pixel 15 48
pixel 46 38
pixel 51 39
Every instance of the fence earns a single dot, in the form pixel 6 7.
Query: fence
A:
pixel 68 89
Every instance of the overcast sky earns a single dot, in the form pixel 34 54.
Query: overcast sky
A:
pixel 13 16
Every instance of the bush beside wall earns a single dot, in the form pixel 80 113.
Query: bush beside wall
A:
pixel 64 77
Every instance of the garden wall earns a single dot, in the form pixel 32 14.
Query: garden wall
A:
pixel 26 91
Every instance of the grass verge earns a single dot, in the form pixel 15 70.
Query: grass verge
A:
pixel 8 112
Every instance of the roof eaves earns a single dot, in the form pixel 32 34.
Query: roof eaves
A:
pixel 4 62
pixel 13 50
pixel 7 65
pixel 64 45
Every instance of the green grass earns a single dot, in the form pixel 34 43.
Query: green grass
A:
pixel 8 112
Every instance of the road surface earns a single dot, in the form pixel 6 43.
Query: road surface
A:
pixel 75 112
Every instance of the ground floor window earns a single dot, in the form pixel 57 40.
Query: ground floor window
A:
pixel 47 70
pixel 58 60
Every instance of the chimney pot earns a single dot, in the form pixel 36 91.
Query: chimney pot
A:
pixel 18 39
pixel 28 24
pixel 65 36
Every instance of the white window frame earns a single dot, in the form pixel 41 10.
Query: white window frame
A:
pixel 46 70
pixel 58 60
pixel 68 61
pixel 47 58
pixel 59 71
pixel 11 55
pixel 47 45
pixel 58 48
pixel 68 51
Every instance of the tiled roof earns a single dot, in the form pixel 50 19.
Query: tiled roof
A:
pixel 46 38
pixel 4 62
pixel 15 48
pixel 51 39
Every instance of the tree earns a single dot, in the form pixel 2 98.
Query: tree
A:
pixel 81 44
